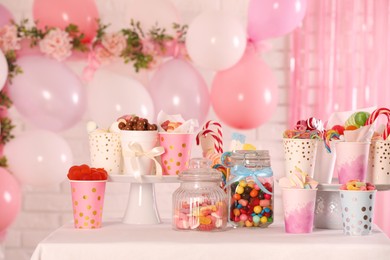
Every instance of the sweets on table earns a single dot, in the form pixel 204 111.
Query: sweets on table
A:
pixel 357 185
pixel 85 173
pixel 199 204
pixel 210 137
pixel 311 128
pixel 298 180
pixel 356 120
pixel 135 123
pixel 374 116
pixel 249 188
pixel 169 126
pixel 298 196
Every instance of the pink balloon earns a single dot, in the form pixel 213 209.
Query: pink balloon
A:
pixel 82 13
pixel 245 96
pixel 39 158
pixel 178 88
pixel 273 18
pixel 5 16
pixel 48 94
pixel 111 95
pixel 215 40
pixel 10 199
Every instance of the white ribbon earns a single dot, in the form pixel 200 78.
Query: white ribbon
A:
pixel 136 151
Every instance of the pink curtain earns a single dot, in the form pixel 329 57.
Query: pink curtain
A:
pixel 340 60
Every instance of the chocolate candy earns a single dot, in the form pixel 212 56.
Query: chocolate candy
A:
pixel 135 123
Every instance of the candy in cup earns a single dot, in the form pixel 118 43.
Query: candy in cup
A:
pixel 175 136
pixel 87 188
pixel 139 146
pixel 300 145
pixel 357 203
pixel 298 197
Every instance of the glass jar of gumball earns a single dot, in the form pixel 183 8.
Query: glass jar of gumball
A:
pixel 249 188
pixel 199 204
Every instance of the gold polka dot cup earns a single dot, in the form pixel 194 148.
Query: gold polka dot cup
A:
pixel 357 211
pixel 177 153
pixel 300 153
pixel 380 163
pixel 87 201
pixel 106 152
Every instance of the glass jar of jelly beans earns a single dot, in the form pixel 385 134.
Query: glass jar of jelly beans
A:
pixel 249 188
pixel 199 204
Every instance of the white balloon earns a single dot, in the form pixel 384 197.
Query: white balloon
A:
pixel 39 158
pixel 3 70
pixel 216 40
pixel 112 95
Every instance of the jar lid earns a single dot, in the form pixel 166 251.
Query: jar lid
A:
pixel 247 158
pixel 200 170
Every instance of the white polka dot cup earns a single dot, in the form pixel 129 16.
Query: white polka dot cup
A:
pixel 177 153
pixel 300 153
pixel 357 211
pixel 351 161
pixel 87 201
pixel 106 152
pixel 380 164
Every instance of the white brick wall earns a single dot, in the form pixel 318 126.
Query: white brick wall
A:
pixel 45 209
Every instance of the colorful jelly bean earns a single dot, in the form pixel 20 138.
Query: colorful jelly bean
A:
pixel 250 206
pixel 202 216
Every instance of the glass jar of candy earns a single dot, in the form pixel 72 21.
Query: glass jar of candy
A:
pixel 249 188
pixel 199 204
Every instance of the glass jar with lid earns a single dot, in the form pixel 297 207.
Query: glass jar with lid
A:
pixel 199 204
pixel 249 188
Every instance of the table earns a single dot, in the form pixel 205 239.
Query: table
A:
pixel 116 240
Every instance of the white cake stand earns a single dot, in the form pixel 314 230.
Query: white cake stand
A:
pixel 141 205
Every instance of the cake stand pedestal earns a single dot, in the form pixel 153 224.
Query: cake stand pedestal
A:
pixel 141 205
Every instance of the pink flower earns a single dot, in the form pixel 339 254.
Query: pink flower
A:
pixel 102 55
pixel 115 43
pixel 57 44
pixel 9 39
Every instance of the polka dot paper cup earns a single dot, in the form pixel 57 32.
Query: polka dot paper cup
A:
pixel 177 153
pixel 357 211
pixel 381 163
pixel 300 153
pixel 87 201
pixel 106 152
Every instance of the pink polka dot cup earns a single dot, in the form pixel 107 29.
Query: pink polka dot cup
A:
pixel 177 153
pixel 87 201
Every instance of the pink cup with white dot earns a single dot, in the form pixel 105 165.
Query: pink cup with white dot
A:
pixel 87 201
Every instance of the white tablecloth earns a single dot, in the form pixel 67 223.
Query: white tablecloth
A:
pixel 116 240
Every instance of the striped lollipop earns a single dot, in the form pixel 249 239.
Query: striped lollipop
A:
pixel 374 116
pixel 210 137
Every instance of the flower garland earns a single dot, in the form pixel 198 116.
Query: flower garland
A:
pixel 132 45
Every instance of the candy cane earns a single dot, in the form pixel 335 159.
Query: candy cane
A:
pixel 375 114
pixel 215 134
